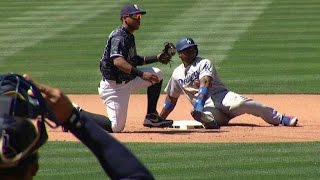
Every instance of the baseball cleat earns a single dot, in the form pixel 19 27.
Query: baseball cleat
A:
pixel 207 121
pixel 289 120
pixel 154 120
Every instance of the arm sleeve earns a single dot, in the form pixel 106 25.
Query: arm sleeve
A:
pixel 206 68
pixel 116 160
pixel 117 47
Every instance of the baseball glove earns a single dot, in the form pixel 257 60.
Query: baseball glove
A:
pixel 167 53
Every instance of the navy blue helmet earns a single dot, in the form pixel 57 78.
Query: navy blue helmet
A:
pixel 185 43
pixel 19 138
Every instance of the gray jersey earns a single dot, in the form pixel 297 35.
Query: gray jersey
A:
pixel 222 105
pixel 186 80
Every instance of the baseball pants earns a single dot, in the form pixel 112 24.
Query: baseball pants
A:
pixel 116 97
pixel 226 105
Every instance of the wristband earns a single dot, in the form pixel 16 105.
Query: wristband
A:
pixel 199 105
pixel 203 90
pixel 168 105
pixel 73 121
pixel 136 72
pixel 201 99
pixel 150 59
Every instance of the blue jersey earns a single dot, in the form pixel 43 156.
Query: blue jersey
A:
pixel 121 43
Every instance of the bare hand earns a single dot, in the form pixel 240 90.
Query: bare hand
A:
pixel 55 98
pixel 151 77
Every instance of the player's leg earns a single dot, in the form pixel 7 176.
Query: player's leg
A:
pixel 116 98
pixel 268 114
pixel 239 105
pixel 153 92
pixel 221 118
pixel 211 117
pixel 213 111
pixel 101 120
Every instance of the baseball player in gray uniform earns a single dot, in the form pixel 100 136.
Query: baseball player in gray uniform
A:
pixel 213 104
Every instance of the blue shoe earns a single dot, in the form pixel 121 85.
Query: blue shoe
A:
pixel 289 120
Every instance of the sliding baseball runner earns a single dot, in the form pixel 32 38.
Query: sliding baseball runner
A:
pixel 213 104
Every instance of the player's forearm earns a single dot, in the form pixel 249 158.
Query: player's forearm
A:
pixel 150 59
pixel 116 160
pixel 122 64
pixel 201 98
pixel 206 81
pixel 168 106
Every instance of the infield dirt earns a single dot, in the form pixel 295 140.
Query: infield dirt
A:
pixel 245 128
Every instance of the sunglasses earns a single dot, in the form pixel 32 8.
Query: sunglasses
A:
pixel 136 16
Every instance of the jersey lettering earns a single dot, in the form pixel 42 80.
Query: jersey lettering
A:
pixel 207 67
pixel 189 78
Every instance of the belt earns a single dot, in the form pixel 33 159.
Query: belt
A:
pixel 122 82
pixel 117 81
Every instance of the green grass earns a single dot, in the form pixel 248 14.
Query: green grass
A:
pixel 279 52
pixel 267 46
pixel 62 160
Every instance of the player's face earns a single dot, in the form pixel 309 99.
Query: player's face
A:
pixel 187 55
pixel 136 17
pixel 133 21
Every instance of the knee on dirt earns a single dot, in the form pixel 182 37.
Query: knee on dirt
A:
pixel 116 128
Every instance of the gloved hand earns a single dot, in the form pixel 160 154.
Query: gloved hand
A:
pixel 165 56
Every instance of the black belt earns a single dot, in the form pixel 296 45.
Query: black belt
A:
pixel 122 82
pixel 117 81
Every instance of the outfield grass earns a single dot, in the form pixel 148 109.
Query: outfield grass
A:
pixel 61 160
pixel 267 46
pixel 279 53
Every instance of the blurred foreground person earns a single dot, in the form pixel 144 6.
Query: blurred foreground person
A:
pixel 23 101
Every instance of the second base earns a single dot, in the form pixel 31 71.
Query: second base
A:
pixel 186 124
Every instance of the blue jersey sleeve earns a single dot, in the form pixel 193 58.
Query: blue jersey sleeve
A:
pixel 116 160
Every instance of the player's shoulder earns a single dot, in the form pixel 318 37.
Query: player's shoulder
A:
pixel 202 60
pixel 119 32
